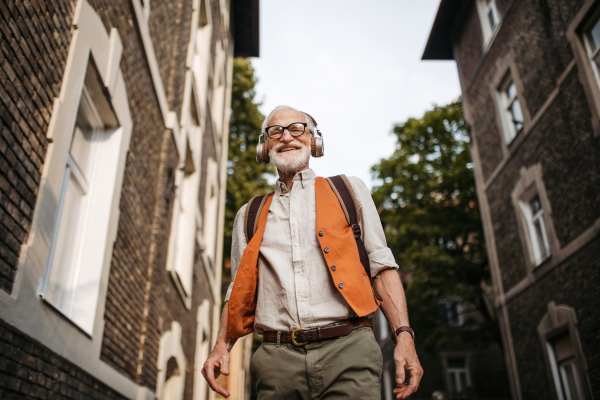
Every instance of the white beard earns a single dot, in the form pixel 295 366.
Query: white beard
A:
pixel 289 161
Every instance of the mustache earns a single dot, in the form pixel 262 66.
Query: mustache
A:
pixel 292 143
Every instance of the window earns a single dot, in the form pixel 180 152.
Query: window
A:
pixel 507 91
pixel 201 59
pixel 66 282
pixel 457 375
pixel 211 209
pixel 563 355
pixel 183 229
pixel 488 17
pixel 533 212
pixel 511 109
pixel 218 96
pixel 171 365
pixel 451 310
pixel 583 34
pixel 72 282
pixel 591 39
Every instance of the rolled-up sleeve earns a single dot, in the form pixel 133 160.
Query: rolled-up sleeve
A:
pixel 238 244
pixel 380 256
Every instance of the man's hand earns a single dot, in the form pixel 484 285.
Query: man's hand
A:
pixel 216 364
pixel 405 358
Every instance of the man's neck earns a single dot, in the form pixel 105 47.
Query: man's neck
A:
pixel 288 177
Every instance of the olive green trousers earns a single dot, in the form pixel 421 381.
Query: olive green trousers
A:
pixel 344 368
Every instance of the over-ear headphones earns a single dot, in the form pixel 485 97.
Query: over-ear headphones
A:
pixel 316 145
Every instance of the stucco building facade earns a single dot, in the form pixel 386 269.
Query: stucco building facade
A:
pixel 114 124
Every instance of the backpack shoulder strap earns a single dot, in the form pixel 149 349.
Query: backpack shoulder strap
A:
pixel 343 190
pixel 253 209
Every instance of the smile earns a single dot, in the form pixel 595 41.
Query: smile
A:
pixel 288 149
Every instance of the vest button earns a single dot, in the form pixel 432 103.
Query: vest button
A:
pixel 326 250
pixel 333 267
pixel 341 285
pixel 320 233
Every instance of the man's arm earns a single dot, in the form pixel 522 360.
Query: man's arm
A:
pixel 218 361
pixel 387 283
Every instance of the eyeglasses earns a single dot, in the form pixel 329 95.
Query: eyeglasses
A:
pixel 276 131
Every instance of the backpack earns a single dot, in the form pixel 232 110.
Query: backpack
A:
pixel 343 191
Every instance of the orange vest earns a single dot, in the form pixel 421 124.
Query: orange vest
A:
pixel 339 249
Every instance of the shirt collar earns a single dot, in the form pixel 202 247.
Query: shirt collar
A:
pixel 302 179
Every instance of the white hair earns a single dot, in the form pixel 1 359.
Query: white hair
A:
pixel 307 118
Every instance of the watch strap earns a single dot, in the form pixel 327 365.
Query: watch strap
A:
pixel 400 330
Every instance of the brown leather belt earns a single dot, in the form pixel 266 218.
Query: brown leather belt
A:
pixel 303 336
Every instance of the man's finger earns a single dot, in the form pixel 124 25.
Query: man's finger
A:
pixel 416 373
pixel 225 370
pixel 400 374
pixel 211 378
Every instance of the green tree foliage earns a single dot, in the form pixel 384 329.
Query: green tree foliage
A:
pixel 428 205
pixel 245 177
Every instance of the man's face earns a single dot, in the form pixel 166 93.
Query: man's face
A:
pixel 289 153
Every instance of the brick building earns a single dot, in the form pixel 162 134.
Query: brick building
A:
pixel 531 96
pixel 113 140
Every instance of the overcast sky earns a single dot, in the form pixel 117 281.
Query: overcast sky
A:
pixel 356 67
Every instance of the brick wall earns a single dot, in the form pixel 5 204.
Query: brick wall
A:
pixel 575 283
pixel 35 39
pixel 142 300
pixel 170 24
pixel 470 43
pixel 29 371
pixel 541 54
pixel 563 143
pixel 139 280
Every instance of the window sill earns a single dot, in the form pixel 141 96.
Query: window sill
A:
pixel 65 316
pixel 542 261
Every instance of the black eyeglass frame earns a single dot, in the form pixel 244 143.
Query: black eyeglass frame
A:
pixel 288 128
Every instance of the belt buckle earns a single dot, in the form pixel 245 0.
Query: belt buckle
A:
pixel 294 332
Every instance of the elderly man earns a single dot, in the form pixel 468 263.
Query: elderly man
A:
pixel 314 315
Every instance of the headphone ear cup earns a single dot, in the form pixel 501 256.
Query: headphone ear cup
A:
pixel 316 147
pixel 262 153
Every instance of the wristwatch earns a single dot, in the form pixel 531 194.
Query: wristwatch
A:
pixel 400 330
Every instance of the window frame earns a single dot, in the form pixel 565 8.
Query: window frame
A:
pixel 540 251
pixel 170 347
pixel 184 227
pixel 529 186
pixel 84 183
pixel 589 76
pixel 558 321
pixel 446 356
pixel 507 72
pixel 448 305
pixel 508 102
pixel 488 31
